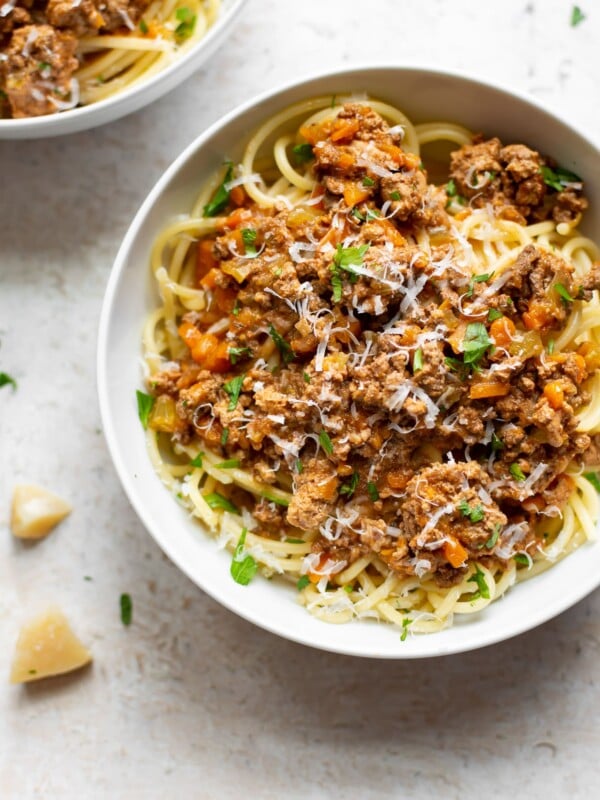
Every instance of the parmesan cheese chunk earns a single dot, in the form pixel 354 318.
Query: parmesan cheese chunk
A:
pixel 47 646
pixel 36 511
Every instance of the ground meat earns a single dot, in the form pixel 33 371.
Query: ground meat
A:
pixel 16 17
pixel 39 67
pixel 82 19
pixel 314 496
pixel 121 13
pixel 510 179
pixel 534 276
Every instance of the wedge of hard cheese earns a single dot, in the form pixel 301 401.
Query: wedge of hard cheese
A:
pixel 35 511
pixel 47 646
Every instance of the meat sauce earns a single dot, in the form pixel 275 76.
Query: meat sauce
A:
pixel 417 410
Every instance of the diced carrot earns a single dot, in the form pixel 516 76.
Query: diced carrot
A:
pixel 217 359
pixel 536 318
pixel 397 480
pixel 391 231
pixel 554 394
pixel 223 299
pixel 534 504
pixel 395 152
pixel 237 195
pixel 247 317
pixel 241 216
pixel 344 129
pixel 502 331
pixel 209 281
pixel 354 193
pixel 454 552
pixel 479 391
pixel 315 133
pixel 581 363
pixel 205 348
pixel 205 260
pixel 345 161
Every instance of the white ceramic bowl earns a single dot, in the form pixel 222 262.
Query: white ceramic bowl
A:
pixel 424 95
pixel 132 99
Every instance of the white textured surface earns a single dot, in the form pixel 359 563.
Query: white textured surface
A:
pixel 190 701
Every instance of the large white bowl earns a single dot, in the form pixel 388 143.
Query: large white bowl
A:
pixel 424 95
pixel 132 99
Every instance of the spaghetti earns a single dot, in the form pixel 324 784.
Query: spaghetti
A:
pixel 380 388
pixel 81 52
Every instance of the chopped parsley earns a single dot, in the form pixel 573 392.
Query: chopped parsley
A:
pixel 358 215
pixel 197 461
pixel 476 343
pixel 44 66
pixel 517 473
pixel 299 466
pixel 216 500
pixel 348 588
pixel 594 479
pixel 405 623
pixel 221 196
pixel 143 26
pixel 224 436
pixel 303 153
pixel 249 238
pixel 350 487
pixel 287 354
pixel 295 541
pixel 418 360
pixel 326 442
pixel 235 353
pixel 236 308
pixel 280 501
pixel 372 491
pixel 497 443
pixel 126 604
pixel 485 276
pixel 6 380
pixel 346 258
pixel 550 347
pixel 522 558
pixel 243 567
pixel 474 514
pixel 577 16
pixel 366 181
pixel 303 582
pixel 451 188
pixel 230 463
pixel 306 377
pixel 144 406
pixel 563 292
pixel 395 196
pixel 233 389
pixel 558 178
pixel 187 23
pixel 483 589
pixel 494 537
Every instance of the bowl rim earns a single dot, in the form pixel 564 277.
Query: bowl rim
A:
pixel 120 104
pixel 523 623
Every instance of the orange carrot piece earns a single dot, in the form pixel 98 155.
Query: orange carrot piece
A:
pixel 354 194
pixel 554 394
pixel 479 391
pixel 502 331
pixel 237 195
pixel 344 129
pixel 454 552
pixel 205 261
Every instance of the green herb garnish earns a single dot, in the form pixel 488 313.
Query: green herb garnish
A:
pixel 494 537
pixel 306 377
pixel 287 354
pixel 221 196
pixel 418 360
pixel 346 258
pixel 405 623
pixel 216 500
pixel 558 178
pixel 303 582
pixel 350 487
pixel 594 479
pixel 577 16
pixel 243 567
pixel 187 23
pixel 299 466
pixel 493 314
pixel 233 389
pixel 280 501
pixel 6 380
pixel 475 514
pixel 197 461
pixel 517 473
pixel 497 443
pixel 295 541
pixel 144 406
pixel 235 353
pixel 451 188
pixel 395 196
pixel 372 491
pixel 224 436
pixel 126 604
pixel 366 181
pixel 485 276
pixel 230 463
pixel 303 153
pixel 479 578
pixel 522 558
pixel 249 238
pixel 143 26
pixel 563 293
pixel 476 343
pixel 326 442
pixel 550 347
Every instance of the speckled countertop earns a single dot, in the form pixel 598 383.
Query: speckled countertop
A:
pixel 190 701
